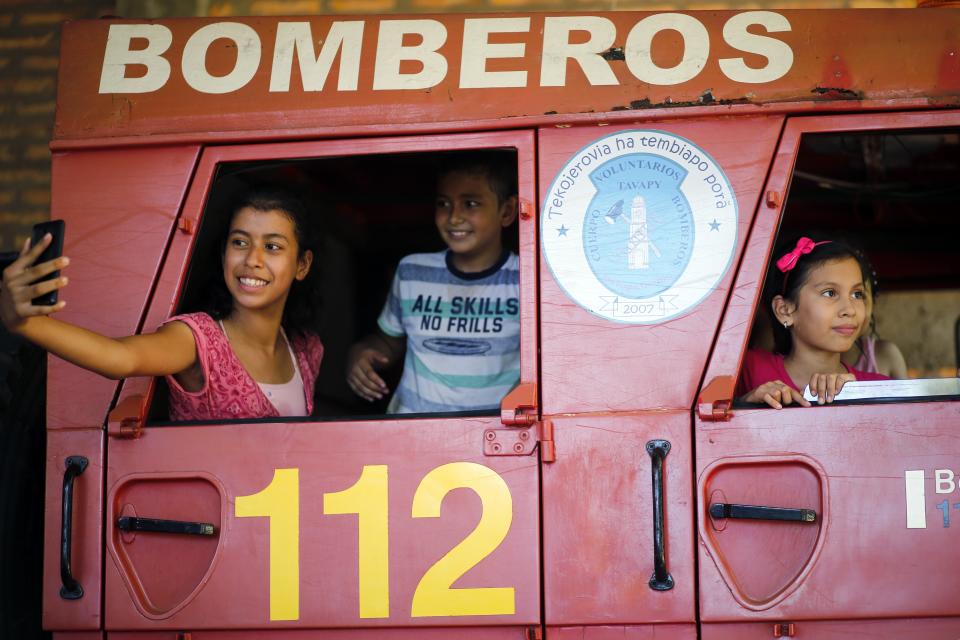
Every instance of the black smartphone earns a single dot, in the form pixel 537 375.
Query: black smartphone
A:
pixel 55 250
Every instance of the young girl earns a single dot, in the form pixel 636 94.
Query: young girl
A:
pixel 818 311
pixel 252 356
pixel 870 352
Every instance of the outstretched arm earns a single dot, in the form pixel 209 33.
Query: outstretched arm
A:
pixel 168 351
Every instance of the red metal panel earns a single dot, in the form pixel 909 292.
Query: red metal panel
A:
pixel 646 632
pixel 914 628
pixel 235 591
pixel 867 562
pixel 583 356
pixel 816 61
pixel 230 589
pixel 598 523
pixel 120 207
pixel 421 633
pixel 86 559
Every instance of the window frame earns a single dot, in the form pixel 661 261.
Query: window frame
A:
pixel 726 359
pixel 175 268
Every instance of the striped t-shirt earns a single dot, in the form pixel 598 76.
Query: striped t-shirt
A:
pixel 462 330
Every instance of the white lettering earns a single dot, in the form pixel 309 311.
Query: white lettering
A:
pixel 194 65
pixel 477 49
pixel 916 502
pixel 696 48
pixel 945 482
pixel 118 56
pixel 779 55
pixel 345 38
pixel 557 50
pixel 391 52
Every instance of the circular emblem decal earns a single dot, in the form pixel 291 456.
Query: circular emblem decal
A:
pixel 639 226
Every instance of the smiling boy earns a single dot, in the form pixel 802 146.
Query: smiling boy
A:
pixel 455 313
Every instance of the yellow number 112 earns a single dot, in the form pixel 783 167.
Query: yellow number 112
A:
pixel 368 498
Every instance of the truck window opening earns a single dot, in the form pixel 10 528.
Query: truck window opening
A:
pixel 891 194
pixel 370 212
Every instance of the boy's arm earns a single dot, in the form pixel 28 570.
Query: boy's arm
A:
pixel 392 346
pixel 375 352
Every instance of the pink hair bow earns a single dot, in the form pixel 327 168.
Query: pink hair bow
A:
pixel 804 246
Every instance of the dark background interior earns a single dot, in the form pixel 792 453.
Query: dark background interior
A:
pixel 893 193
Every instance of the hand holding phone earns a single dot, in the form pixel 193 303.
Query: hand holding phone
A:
pixel 26 288
pixel 56 229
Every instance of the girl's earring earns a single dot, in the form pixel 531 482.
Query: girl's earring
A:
pixel 786 324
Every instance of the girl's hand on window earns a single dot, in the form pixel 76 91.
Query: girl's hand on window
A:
pixel 826 386
pixel 776 394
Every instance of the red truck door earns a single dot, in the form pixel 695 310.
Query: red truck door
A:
pixel 874 556
pixel 641 229
pixel 119 205
pixel 340 524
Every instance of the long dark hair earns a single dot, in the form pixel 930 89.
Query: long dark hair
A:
pixel 788 284
pixel 302 310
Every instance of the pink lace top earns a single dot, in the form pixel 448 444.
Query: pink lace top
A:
pixel 229 392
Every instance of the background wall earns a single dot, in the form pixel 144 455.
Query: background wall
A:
pixel 29 55
pixel 923 324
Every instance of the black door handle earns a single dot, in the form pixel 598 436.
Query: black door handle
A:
pixel 720 510
pixel 661 580
pixel 153 525
pixel 70 589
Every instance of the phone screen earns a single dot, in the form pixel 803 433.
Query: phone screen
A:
pixel 55 250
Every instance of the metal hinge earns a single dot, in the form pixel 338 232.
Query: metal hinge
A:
pixel 127 418
pixel 713 405
pixel 521 441
pixel 784 630
pixel 509 442
pixel 518 413
pixel 548 452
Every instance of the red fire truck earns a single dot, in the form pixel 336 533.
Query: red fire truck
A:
pixel 659 157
